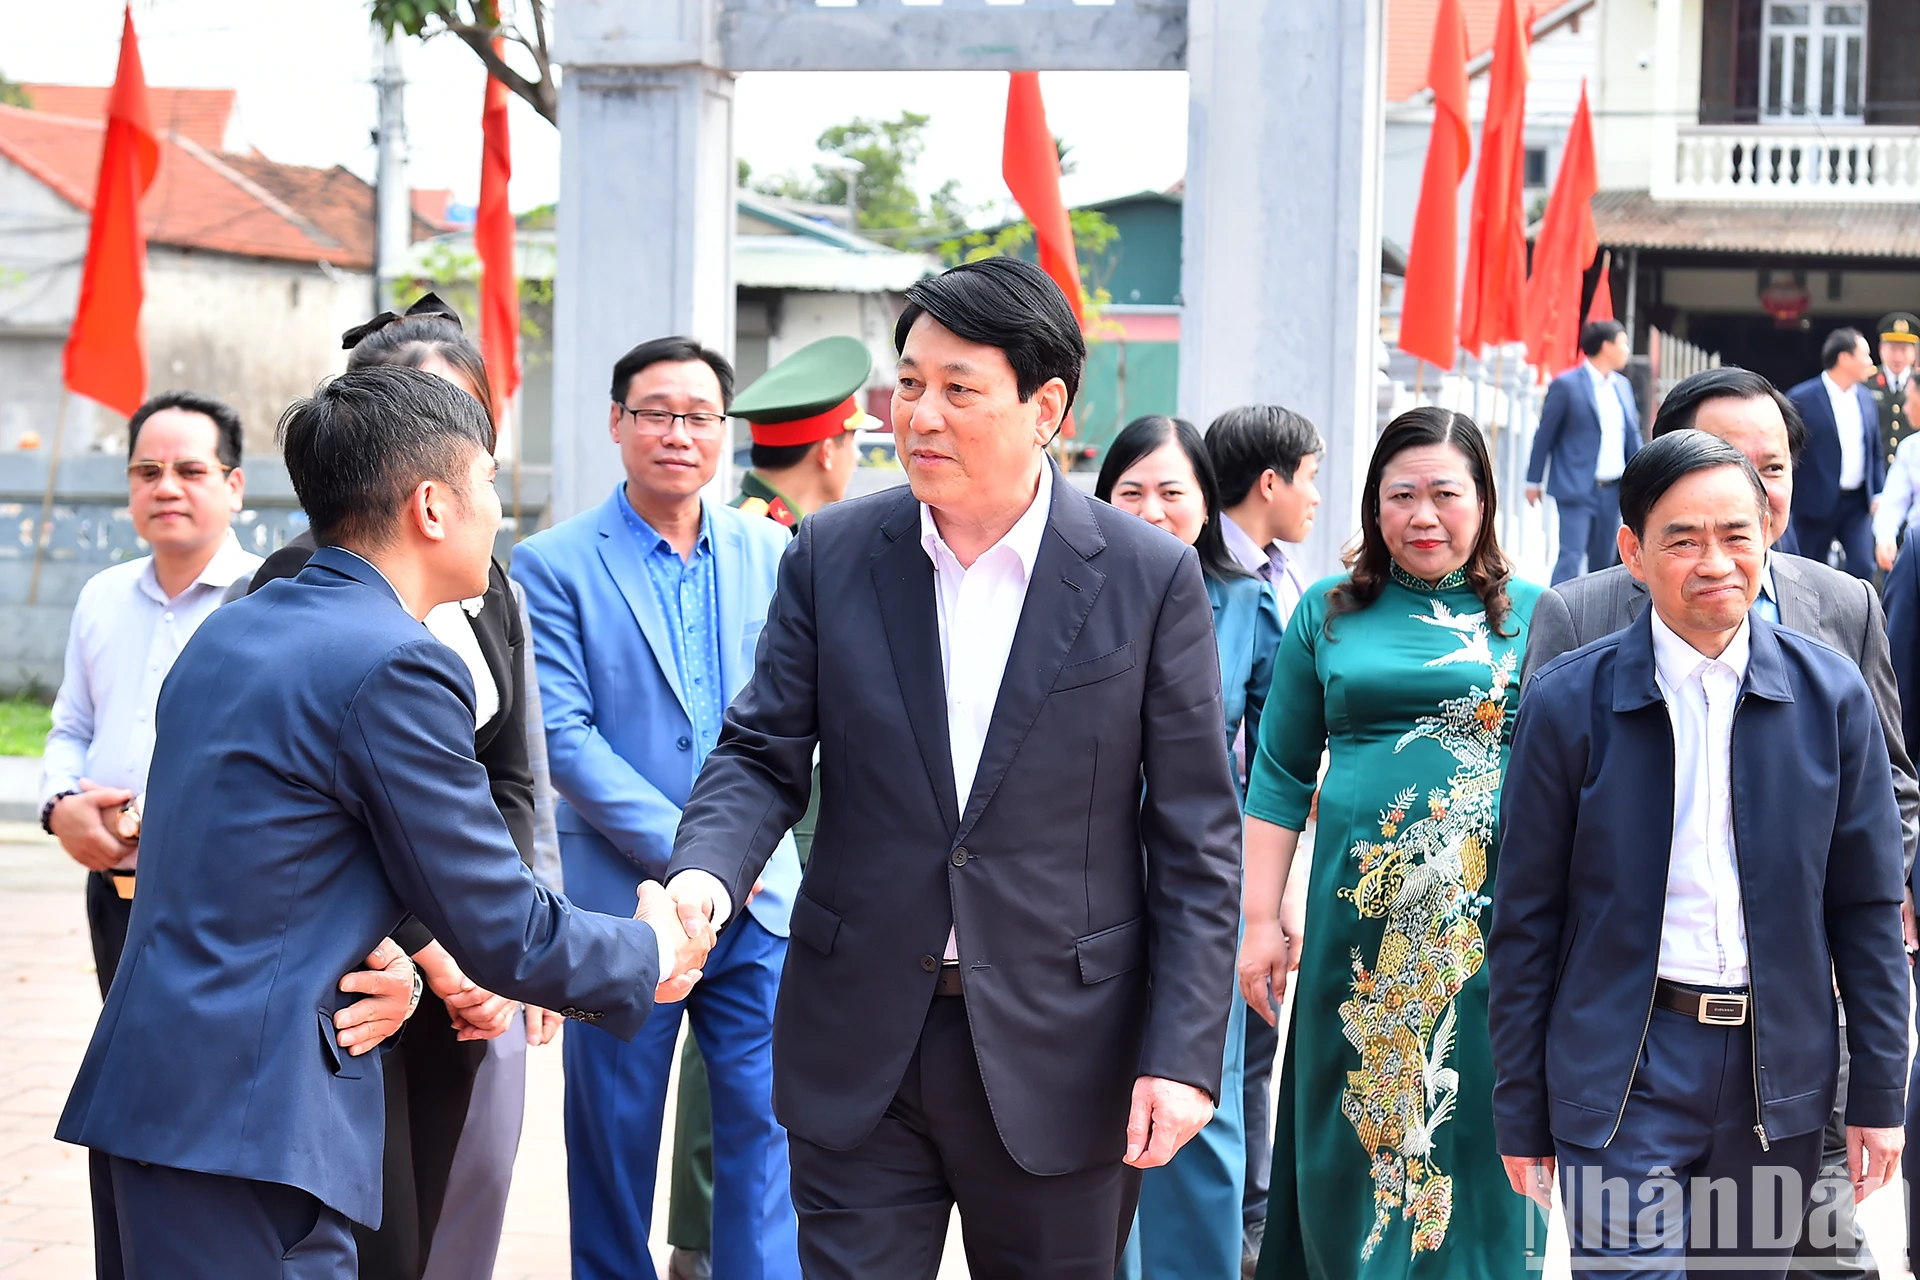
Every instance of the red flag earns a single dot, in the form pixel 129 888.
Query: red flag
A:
pixel 493 240
pixel 106 358
pixel 1493 309
pixel 1563 252
pixel 1601 308
pixel 1031 165
pixel 1429 301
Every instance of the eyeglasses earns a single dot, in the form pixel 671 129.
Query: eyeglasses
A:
pixel 657 422
pixel 185 470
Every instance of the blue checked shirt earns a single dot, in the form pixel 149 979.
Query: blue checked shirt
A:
pixel 689 596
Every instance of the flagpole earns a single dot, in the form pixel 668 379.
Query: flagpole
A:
pixel 1499 391
pixel 1419 378
pixel 42 531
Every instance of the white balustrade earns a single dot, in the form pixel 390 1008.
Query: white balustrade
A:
pixel 1857 165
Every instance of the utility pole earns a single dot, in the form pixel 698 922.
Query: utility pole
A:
pixel 393 198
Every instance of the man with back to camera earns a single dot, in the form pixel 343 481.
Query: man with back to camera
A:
pixel 332 789
pixel 1746 411
pixel 1700 844
pixel 1843 467
pixel 645 612
pixel 1027 822
pixel 1268 455
pixel 1589 430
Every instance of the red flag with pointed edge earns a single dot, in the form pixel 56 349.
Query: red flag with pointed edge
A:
pixel 1031 166
pixel 1430 300
pixel 106 357
pixel 1563 251
pixel 1493 306
pixel 1601 308
pixel 493 240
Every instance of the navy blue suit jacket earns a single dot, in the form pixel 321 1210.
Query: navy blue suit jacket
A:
pixel 1586 832
pixel 1569 435
pixel 314 782
pixel 1902 597
pixel 1816 480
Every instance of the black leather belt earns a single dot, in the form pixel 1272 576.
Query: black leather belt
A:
pixel 948 983
pixel 1714 1008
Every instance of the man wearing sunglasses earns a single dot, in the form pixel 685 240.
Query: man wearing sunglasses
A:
pixel 645 614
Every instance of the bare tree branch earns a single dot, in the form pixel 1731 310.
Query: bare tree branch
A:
pixel 538 93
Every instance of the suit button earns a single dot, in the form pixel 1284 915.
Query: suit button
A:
pixel 684 743
pixel 929 963
pixel 960 856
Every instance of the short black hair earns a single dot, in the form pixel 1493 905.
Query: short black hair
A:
pixel 1145 435
pixel 1246 443
pixel 1728 382
pixel 226 421
pixel 1010 304
pixel 1663 463
pixel 778 457
pixel 362 443
pixel 1839 343
pixel 1595 334
pixel 671 351
pixel 412 340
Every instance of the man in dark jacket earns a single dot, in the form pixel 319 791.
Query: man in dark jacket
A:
pixel 1675 889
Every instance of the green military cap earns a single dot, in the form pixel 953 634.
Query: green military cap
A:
pixel 1900 326
pixel 811 395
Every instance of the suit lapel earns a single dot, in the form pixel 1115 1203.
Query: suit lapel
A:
pixel 729 580
pixel 903 582
pixel 1059 598
pixel 620 552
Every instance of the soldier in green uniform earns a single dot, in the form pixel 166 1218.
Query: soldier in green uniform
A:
pixel 1899 343
pixel 803 413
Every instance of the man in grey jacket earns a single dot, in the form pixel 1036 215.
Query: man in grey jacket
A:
pixel 1746 411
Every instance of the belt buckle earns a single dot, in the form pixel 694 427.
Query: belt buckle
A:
pixel 1722 1010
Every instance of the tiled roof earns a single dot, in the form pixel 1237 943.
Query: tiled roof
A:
pixel 1410 36
pixel 243 205
pixel 199 114
pixel 1632 219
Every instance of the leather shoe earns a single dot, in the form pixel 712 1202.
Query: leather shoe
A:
pixel 690 1264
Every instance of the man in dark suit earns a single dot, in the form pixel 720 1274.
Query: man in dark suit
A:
pixel 1017 924
pixel 1746 411
pixel 1699 843
pixel 1843 467
pixel 332 788
pixel 1589 429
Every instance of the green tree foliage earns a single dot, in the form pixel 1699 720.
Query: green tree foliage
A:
pixel 888 206
pixel 476 23
pixel 1092 234
pixel 13 94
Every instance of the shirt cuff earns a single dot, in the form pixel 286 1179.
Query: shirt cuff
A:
pixel 695 878
pixel 666 951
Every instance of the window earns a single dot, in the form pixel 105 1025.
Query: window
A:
pixel 1812 64
pixel 1533 167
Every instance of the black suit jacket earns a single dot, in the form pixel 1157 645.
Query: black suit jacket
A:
pixel 1093 873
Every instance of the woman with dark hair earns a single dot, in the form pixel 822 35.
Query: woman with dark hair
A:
pixel 1190 1219
pixel 456 1075
pixel 1405 671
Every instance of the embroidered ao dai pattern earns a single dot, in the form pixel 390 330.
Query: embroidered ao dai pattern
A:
pixel 1384 1158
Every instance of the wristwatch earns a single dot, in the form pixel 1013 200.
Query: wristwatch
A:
pixel 419 986
pixel 46 810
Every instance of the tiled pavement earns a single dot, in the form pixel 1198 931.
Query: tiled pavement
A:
pixel 49 1001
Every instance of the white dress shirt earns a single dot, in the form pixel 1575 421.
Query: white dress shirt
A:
pixel 1270 564
pixel 121 643
pixel 1901 494
pixel 1612 459
pixel 982 603
pixel 1853 444
pixel 1703 935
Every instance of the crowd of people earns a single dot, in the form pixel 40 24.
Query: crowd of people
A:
pixel 965 826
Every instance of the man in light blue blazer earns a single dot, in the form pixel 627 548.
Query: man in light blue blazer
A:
pixel 645 613
pixel 1589 429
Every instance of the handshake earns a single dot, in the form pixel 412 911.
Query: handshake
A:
pixel 683 918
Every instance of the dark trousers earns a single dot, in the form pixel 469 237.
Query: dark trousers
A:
pixel 428 1074
pixel 880 1211
pixel 1832 1245
pixel 107 916
pixel 1589 532
pixel 178 1225
pixel 1263 1046
pixel 1728 1202
pixel 1850 524
pixel 1910 1160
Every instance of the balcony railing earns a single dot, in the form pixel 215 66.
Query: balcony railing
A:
pixel 1856 165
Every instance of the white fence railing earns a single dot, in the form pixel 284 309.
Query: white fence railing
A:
pixel 1673 359
pixel 1860 164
